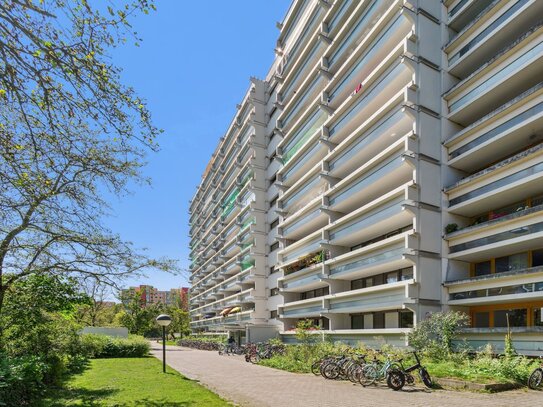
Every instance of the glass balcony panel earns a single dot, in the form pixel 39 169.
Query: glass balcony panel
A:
pixel 295 19
pixel 496 78
pixel 380 130
pixel 502 128
pixel 457 8
pixel 308 61
pixel 500 237
pixel 313 123
pixel 312 152
pixel 304 220
pixel 520 175
pixel 487 31
pixel 498 291
pixel 302 192
pixel 310 247
pixel 368 55
pixel 388 165
pixel 368 260
pixel 361 103
pixel 339 14
pixel 301 311
pixel 303 100
pixel 369 218
pixel 369 17
pixel 310 27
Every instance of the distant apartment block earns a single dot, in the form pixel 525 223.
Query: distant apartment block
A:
pixel 151 295
pixel 389 166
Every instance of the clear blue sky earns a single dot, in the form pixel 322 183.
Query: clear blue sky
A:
pixel 192 67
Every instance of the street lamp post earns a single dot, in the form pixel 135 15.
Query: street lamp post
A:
pixel 163 320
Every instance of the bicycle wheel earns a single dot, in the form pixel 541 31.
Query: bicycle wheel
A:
pixel 316 368
pixel 254 358
pixel 395 379
pixel 368 375
pixel 331 371
pixel 425 377
pixel 536 379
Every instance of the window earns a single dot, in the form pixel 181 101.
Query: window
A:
pixel 273 202
pixel 406 273
pixel 357 321
pixel 356 284
pixel 274 292
pixel 481 319
pixel 538 316
pixel 406 319
pixel 319 292
pixel 274 246
pixel 537 258
pixel 379 320
pixel 273 314
pixel 517 317
pixel 274 224
pixel 513 262
pixel 392 277
pixel 482 268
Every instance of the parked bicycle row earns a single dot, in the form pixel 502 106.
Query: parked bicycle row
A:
pixel 201 345
pixel 359 368
pixel 254 352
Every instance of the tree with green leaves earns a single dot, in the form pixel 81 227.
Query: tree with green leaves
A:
pixel 70 134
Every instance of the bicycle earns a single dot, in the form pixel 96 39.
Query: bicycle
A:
pixel 378 371
pixel 536 378
pixel 423 373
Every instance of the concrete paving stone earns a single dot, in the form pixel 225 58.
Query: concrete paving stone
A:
pixel 249 385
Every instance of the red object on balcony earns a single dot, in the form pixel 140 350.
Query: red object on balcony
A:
pixel 357 89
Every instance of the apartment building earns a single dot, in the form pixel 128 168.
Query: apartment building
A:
pixel 386 168
pixel 152 295
pixel 493 160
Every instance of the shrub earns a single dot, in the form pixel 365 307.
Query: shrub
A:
pixel 434 335
pixel 102 346
pixel 22 379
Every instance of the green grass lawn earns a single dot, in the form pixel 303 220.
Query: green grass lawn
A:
pixel 131 382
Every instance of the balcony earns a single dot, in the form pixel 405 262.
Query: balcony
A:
pixel 508 287
pixel 465 11
pixel 514 233
pixel 362 146
pixel 378 298
pixel 303 160
pixel 238 318
pixel 369 54
pixel 304 191
pixel 385 255
pixel 509 74
pixel 367 17
pixel 487 35
pixel 507 182
pixel 304 222
pixel 302 309
pixel 375 178
pixel 376 91
pixel 370 221
pixel 305 130
pixel 300 249
pixel 306 279
pixel 515 125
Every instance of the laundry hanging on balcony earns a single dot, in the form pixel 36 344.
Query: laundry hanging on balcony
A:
pixel 225 311
pixel 234 310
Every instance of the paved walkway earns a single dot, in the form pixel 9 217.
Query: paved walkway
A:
pixel 256 386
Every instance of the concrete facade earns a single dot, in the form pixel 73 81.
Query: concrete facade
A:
pixel 386 168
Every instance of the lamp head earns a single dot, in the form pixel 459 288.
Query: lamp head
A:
pixel 164 320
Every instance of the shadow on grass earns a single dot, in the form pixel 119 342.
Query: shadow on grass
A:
pixel 84 397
